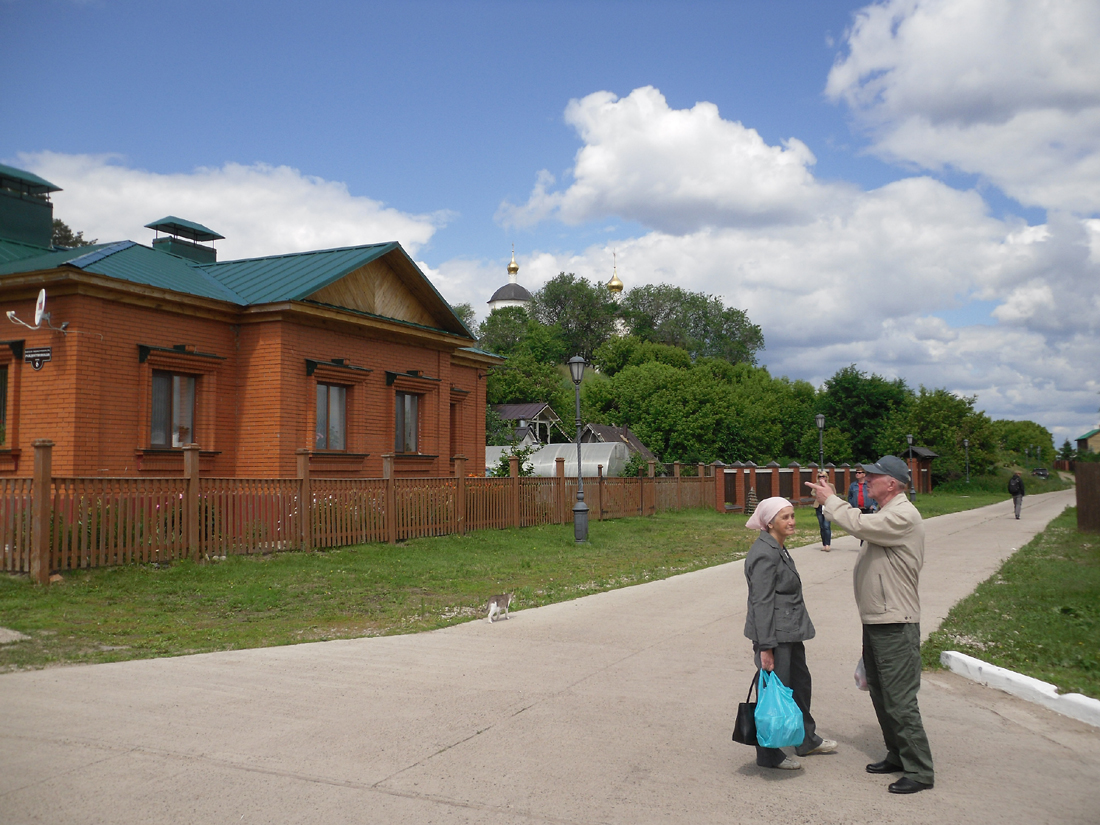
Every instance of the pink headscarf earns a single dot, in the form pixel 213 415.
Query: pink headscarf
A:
pixel 766 511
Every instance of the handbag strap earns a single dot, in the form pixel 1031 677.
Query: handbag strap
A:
pixel 752 684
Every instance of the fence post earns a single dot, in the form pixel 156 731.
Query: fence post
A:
pixel 191 499
pixel 460 494
pixel 559 490
pixel 513 472
pixel 719 488
pixel 679 492
pixel 599 492
pixel 41 505
pixel 652 486
pixel 305 501
pixel 391 498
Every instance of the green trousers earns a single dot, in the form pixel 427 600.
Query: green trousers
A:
pixel 891 655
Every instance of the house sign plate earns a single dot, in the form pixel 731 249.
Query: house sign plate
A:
pixel 37 356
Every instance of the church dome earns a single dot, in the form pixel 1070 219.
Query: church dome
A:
pixel 511 294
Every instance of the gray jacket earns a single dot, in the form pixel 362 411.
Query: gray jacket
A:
pixel 887 572
pixel 776 611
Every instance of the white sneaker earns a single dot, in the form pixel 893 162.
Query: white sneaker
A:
pixel 789 764
pixel 826 746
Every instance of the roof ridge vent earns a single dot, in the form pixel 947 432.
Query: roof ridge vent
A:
pixel 185 238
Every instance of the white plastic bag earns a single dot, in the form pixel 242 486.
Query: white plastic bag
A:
pixel 861 675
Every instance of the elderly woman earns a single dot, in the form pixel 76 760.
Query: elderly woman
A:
pixel 778 624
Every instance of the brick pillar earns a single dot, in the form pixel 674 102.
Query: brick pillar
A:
pixel 719 488
pixel 305 502
pixel 460 494
pixel 391 498
pixel 191 500
pixel 513 472
pixel 41 506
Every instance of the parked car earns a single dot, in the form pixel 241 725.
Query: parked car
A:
pixel 1041 472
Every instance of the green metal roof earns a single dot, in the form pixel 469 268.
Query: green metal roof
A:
pixel 1089 434
pixel 185 229
pixel 295 276
pixel 31 184
pixel 11 251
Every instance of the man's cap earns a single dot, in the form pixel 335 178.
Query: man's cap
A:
pixel 888 465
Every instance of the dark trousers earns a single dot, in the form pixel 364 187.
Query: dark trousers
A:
pixel 891 655
pixel 790 667
pixel 1017 503
pixel 826 528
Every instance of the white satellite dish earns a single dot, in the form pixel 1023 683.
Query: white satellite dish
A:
pixel 40 307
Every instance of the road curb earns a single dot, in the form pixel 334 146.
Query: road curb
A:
pixel 1042 693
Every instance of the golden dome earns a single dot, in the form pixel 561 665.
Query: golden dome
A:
pixel 513 268
pixel 615 286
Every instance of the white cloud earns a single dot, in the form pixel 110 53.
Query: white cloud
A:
pixel 260 209
pixel 674 170
pixel 832 275
pixel 1006 89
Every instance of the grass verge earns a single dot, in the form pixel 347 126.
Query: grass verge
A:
pixel 145 611
pixel 1039 615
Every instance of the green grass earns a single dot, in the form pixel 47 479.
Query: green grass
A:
pixel 144 611
pixel 1038 615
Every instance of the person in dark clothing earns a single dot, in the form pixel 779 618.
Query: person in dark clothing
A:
pixel 1016 490
pixel 823 524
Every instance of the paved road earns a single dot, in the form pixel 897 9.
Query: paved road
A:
pixel 614 708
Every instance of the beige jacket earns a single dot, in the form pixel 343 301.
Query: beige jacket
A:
pixel 887 572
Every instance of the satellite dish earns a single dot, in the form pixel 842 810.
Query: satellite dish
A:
pixel 40 307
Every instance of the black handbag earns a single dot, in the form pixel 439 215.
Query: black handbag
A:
pixel 744 727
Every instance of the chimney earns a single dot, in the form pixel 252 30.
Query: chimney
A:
pixel 26 214
pixel 185 239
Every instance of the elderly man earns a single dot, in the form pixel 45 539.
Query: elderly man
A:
pixel 887 575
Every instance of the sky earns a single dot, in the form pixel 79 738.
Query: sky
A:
pixel 909 186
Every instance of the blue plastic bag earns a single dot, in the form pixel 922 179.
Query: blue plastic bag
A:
pixel 778 719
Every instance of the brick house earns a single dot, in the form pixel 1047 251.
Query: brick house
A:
pixel 347 353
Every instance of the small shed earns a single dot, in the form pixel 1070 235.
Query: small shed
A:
pixel 608 434
pixel 532 422
pixel 920 467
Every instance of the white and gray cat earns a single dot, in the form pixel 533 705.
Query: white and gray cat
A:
pixel 499 604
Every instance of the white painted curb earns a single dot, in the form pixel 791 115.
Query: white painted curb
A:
pixel 1033 690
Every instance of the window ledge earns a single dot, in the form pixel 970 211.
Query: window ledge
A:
pixel 9 460
pixel 170 460
pixel 333 461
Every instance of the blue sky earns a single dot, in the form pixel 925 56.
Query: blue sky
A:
pixel 910 186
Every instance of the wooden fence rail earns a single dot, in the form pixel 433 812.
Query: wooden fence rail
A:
pixel 95 522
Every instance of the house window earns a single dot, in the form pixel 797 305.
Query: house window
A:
pixel 331 417
pixel 173 412
pixel 407 422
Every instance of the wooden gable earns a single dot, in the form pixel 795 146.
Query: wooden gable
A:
pixel 393 287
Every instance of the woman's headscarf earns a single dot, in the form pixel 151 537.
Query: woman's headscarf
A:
pixel 766 511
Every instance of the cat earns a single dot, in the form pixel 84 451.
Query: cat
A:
pixel 500 603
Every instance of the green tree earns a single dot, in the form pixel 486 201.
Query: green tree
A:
pixel 504 331
pixel 860 405
pixel 1067 451
pixel 696 322
pixel 522 379
pixel 1018 437
pixel 940 420
pixel 585 313
pixel 465 313
pixel 64 236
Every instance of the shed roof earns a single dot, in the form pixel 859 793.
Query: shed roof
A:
pixel 28 182
pixel 526 412
pixel 1087 435
pixel 185 229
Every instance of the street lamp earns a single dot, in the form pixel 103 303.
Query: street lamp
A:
pixel 966 444
pixel 912 486
pixel 580 509
pixel 820 419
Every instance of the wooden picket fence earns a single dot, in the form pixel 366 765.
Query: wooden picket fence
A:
pixel 96 522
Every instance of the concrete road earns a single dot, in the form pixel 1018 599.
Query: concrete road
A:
pixel 615 708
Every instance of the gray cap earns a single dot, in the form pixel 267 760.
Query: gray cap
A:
pixel 888 465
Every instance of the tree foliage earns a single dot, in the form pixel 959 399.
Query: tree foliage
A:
pixel 64 236
pixel 860 405
pixel 1017 438
pixel 466 314
pixel 583 312
pixel 693 321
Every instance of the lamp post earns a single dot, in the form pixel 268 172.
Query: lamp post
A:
pixel 820 419
pixel 966 444
pixel 580 509
pixel 912 484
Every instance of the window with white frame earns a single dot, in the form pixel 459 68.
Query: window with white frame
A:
pixel 407 422
pixel 173 410
pixel 331 431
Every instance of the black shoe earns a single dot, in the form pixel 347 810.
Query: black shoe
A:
pixel 884 767
pixel 907 785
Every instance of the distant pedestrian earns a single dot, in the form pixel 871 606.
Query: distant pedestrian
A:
pixel 886 579
pixel 823 524
pixel 859 493
pixel 1016 490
